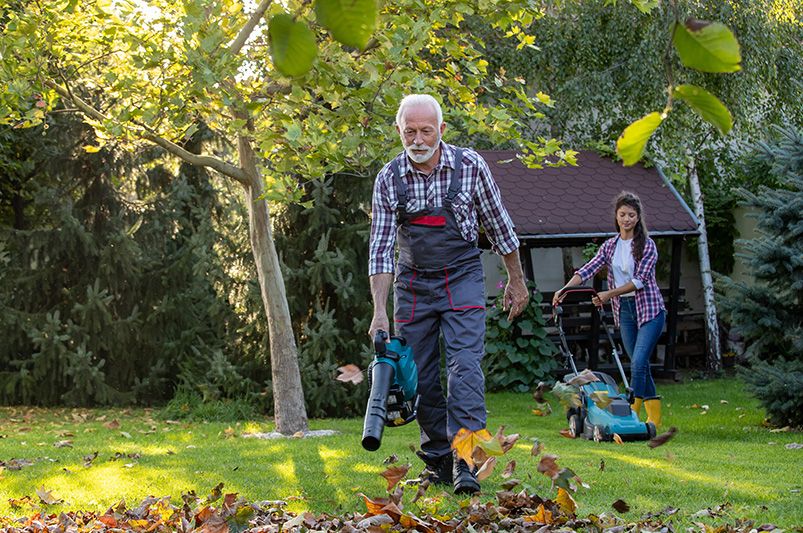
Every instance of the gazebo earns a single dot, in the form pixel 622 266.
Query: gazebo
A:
pixel 571 206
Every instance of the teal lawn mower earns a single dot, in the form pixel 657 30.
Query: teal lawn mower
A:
pixel 602 411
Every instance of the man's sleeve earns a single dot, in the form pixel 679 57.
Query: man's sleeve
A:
pixel 383 224
pixel 492 213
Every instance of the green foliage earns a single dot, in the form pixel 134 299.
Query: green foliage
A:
pixel 706 46
pixel 189 404
pixel 630 145
pixel 517 355
pixel 292 45
pixel 120 294
pixel 350 21
pixel 768 314
pixel 706 105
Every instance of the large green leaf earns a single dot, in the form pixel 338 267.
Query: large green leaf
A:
pixel 707 46
pixel 349 21
pixel 706 105
pixel 292 45
pixel 631 143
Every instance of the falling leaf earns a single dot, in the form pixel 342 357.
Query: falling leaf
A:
pixel 586 376
pixel 566 502
pixel 46 496
pixel 617 439
pixel 390 459
pixel 602 465
pixel 509 469
pixel 537 448
pixel 538 393
pixel 548 465
pixel 567 433
pixel 601 398
pixel 17 503
pixel 507 442
pixel 486 469
pixel 465 441
pixel 350 374
pixel 114 424
pixel 567 394
pixel 621 506
pixel 63 444
pixel 394 474
pixel 662 439
pixel 542 409
pixel 422 489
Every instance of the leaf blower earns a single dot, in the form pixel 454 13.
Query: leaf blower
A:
pixel 393 380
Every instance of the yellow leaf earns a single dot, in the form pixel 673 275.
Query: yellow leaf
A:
pixel 566 502
pixel 466 440
pixel 541 516
pixel 617 439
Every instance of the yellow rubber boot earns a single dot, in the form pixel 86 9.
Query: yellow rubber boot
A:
pixel 653 407
pixel 636 407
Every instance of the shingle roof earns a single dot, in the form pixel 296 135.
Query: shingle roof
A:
pixel 578 201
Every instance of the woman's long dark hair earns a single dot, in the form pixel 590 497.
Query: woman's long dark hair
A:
pixel 640 231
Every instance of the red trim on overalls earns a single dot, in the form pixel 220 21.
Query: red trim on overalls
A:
pixel 412 290
pixel 449 292
pixel 429 220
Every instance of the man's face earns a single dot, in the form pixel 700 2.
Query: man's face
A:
pixel 420 132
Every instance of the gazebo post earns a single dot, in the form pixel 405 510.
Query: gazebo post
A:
pixel 674 300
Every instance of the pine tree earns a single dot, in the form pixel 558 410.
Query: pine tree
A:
pixel 768 313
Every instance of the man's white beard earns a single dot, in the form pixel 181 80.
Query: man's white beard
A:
pixel 421 158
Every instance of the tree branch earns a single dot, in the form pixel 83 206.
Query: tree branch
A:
pixel 245 32
pixel 200 160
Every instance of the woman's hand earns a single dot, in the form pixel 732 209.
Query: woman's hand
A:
pixel 557 297
pixel 601 298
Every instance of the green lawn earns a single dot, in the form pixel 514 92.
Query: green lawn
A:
pixel 719 455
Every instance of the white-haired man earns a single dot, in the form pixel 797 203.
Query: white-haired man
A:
pixel 431 200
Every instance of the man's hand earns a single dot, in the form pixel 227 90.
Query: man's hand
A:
pixel 377 323
pixel 516 298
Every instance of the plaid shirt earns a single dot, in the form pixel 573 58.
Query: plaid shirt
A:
pixel 649 301
pixel 478 202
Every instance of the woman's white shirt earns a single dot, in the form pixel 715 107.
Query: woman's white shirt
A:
pixel 623 265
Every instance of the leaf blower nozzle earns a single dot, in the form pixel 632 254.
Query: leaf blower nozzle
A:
pixel 393 379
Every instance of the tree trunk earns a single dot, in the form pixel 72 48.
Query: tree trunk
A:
pixel 713 357
pixel 288 395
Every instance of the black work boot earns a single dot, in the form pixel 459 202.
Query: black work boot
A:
pixel 464 478
pixel 438 470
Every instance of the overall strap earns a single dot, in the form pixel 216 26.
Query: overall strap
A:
pixel 401 188
pixel 454 184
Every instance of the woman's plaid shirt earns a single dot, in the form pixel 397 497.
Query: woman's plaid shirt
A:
pixel 649 301
pixel 478 202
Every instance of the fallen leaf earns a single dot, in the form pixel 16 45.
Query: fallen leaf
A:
pixel 390 459
pixel 509 469
pixel 662 439
pixel 602 465
pixel 486 469
pixel 586 376
pixel 723 401
pixel 510 483
pixel 114 424
pixel 63 444
pixel 298 435
pixel 781 430
pixel 394 474
pixel 422 489
pixel 566 502
pixel 125 434
pixel 567 433
pixel 46 496
pixel 229 433
pixel 541 516
pixel 376 505
pixel 350 374
pixel 617 439
pixel 793 446
pixel 621 506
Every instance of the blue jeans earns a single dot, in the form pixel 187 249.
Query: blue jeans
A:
pixel 639 343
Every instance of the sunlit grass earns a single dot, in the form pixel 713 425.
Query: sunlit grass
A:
pixel 722 454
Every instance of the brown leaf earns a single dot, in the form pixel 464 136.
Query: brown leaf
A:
pixel 602 465
pixel 621 506
pixel 350 374
pixel 538 393
pixel 422 489
pixel 507 441
pixel 465 441
pixel 114 424
pixel 586 376
pixel 537 448
pixel 566 433
pixel 509 469
pixel 663 438
pixel 394 474
pixel 617 439
pixel 486 469
pixel 510 483
pixel 390 459
pixel 548 465
pixel 541 516
pixel 46 496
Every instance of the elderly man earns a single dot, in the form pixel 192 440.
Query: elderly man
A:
pixel 431 199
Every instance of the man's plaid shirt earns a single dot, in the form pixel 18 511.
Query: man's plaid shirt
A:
pixel 478 202
pixel 649 301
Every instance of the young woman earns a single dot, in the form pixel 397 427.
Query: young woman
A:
pixel 638 308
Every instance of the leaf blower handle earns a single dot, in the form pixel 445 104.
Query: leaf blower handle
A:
pixel 380 342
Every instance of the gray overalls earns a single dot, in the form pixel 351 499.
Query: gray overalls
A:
pixel 439 289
